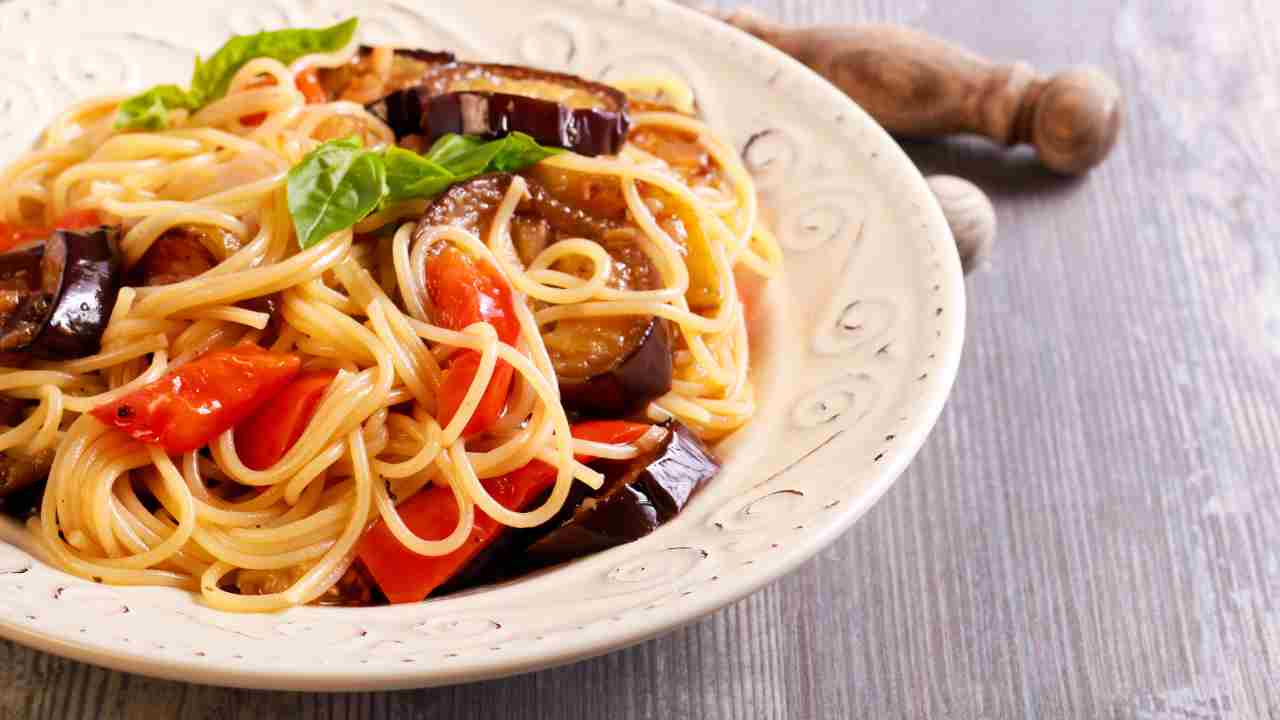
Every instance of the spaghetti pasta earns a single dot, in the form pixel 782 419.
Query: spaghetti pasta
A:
pixel 357 303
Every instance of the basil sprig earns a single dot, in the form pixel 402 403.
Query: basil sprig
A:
pixel 212 78
pixel 341 183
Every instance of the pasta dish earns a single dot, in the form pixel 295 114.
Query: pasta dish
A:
pixel 352 325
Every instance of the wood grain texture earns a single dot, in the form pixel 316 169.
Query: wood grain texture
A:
pixel 1092 530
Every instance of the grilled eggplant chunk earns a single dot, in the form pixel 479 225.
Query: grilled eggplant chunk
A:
pixel 607 366
pixel 56 298
pixel 187 251
pixel 22 475
pixel 555 109
pixel 638 495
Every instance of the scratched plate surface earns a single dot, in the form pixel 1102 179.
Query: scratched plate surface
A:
pixel 854 351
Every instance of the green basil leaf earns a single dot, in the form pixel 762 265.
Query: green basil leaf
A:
pixel 340 183
pixel 449 148
pixel 150 110
pixel 212 77
pixel 518 151
pixel 471 156
pixel 410 175
pixel 334 187
pixel 457 158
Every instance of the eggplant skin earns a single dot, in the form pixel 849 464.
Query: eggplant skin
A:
pixel 469 205
pixel 628 387
pixel 90 283
pixel 586 131
pixel 180 253
pixel 556 109
pixel 19 471
pixel 638 496
pixel 29 283
pixel 13 410
pixel 22 475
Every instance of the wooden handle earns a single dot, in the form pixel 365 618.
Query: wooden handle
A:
pixel 919 86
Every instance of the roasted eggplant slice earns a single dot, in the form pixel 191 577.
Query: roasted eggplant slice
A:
pixel 638 495
pixel 376 72
pixel 21 474
pixel 546 214
pixel 91 279
pixel 586 131
pixel 555 109
pixel 354 589
pixel 187 251
pixel 13 410
pixel 608 366
pixel 598 202
pixel 56 298
pixel 575 203
pixel 470 205
pixel 19 470
pixel 180 253
pixel 271 305
pixel 562 88
pixel 29 283
pixel 622 375
pixel 613 366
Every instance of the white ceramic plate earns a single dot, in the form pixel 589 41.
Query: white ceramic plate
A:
pixel 854 351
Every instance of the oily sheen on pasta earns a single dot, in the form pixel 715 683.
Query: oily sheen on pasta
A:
pixel 507 322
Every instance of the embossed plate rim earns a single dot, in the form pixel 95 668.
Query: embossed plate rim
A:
pixel 492 650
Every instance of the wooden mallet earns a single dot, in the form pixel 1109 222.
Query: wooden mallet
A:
pixel 918 86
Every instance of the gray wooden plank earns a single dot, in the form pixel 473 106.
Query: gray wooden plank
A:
pixel 1091 532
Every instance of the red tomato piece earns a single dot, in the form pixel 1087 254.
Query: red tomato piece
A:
pixel 405 576
pixel 195 403
pixel 257 119
pixel 612 432
pixel 272 431
pixel 457 380
pixel 308 82
pixel 12 236
pixel 465 291
pixel 78 220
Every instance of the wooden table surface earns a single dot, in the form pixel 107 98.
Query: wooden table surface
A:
pixel 1093 529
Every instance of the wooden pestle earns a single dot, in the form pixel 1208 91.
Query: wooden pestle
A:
pixel 916 85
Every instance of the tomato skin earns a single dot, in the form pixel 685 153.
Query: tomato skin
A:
pixel 78 220
pixel 405 576
pixel 465 291
pixel 308 82
pixel 12 236
pixel 457 380
pixel 271 432
pixel 612 432
pixel 257 119
pixel 195 403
